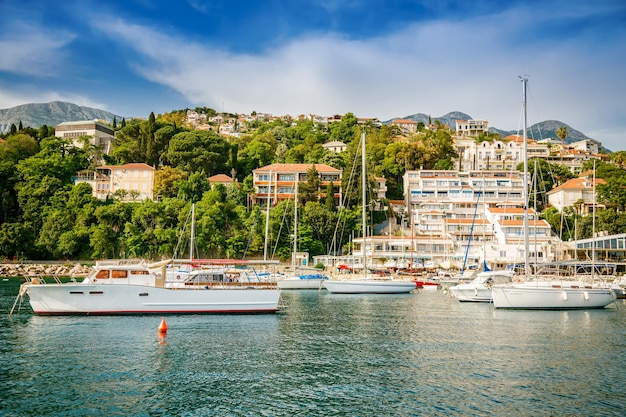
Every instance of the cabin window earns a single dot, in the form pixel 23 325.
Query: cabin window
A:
pixel 119 274
pixel 141 273
pixel 96 292
pixel 103 274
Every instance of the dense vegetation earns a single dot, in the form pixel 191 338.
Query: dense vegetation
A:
pixel 44 216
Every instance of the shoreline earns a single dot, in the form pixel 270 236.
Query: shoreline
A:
pixel 64 269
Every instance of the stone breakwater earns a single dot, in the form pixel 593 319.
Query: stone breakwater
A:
pixel 61 270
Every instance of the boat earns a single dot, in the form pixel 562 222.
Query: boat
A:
pixel 479 289
pixel 119 287
pixel 137 287
pixel 544 293
pixel 367 282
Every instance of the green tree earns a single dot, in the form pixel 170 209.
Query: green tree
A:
pixel 561 133
pixel 198 151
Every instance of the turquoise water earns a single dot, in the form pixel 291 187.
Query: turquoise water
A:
pixel 325 355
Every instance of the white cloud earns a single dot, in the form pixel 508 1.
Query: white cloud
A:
pixel 435 68
pixel 32 50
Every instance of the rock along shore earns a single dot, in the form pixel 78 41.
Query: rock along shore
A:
pixel 61 270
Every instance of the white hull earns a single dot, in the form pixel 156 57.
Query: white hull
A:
pixel 56 299
pixel 479 290
pixel 369 286
pixel 300 284
pixel 551 296
pixel 471 293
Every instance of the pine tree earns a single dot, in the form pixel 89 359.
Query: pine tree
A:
pixel 114 122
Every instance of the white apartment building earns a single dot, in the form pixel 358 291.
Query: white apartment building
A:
pixel 503 154
pixel 136 180
pixel 99 134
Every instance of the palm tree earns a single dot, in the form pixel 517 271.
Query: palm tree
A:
pixel 561 133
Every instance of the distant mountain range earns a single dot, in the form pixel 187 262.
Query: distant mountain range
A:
pixel 542 130
pixel 51 114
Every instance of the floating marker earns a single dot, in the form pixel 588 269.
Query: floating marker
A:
pixel 163 327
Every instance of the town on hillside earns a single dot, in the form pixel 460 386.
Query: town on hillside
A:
pixel 439 196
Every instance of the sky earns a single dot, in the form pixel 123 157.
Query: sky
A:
pixel 374 58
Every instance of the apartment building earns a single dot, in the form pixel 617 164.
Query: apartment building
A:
pixel 503 154
pixel 129 182
pixel 277 182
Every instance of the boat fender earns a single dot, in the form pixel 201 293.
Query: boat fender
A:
pixel 35 281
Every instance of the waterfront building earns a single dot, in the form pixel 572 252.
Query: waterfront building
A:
pixel 335 146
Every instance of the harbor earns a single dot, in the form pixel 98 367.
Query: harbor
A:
pixel 324 354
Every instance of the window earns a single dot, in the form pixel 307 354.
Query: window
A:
pixel 119 274
pixel 102 274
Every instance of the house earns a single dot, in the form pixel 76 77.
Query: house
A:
pixel 335 146
pixel 220 179
pixel 277 182
pixel 471 127
pixel 129 182
pixel 406 126
pixel 576 191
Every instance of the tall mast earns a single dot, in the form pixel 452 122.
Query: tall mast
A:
pixel 295 221
pixel 364 198
pixel 525 194
pixel 193 231
pixel 267 216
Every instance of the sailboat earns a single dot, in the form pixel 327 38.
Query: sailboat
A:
pixel 479 288
pixel 367 283
pixel 299 279
pixel 548 294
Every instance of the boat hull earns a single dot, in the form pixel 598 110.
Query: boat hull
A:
pixel 94 299
pixel 522 296
pixel 300 284
pixel 369 287
pixel 471 293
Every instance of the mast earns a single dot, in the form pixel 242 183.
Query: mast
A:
pixel 267 216
pixel 364 198
pixel 193 231
pixel 295 222
pixel 593 223
pixel 525 194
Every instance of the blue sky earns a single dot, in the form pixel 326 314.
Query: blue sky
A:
pixel 375 58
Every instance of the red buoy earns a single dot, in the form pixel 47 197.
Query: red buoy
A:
pixel 163 326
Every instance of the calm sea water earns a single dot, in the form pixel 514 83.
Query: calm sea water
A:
pixel 325 355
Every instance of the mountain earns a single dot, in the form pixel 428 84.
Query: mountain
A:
pixel 542 130
pixel 50 114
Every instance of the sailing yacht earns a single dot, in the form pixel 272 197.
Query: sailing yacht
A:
pixel 367 283
pixel 548 294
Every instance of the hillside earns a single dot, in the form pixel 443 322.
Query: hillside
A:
pixel 50 114
pixel 53 113
pixel 538 131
